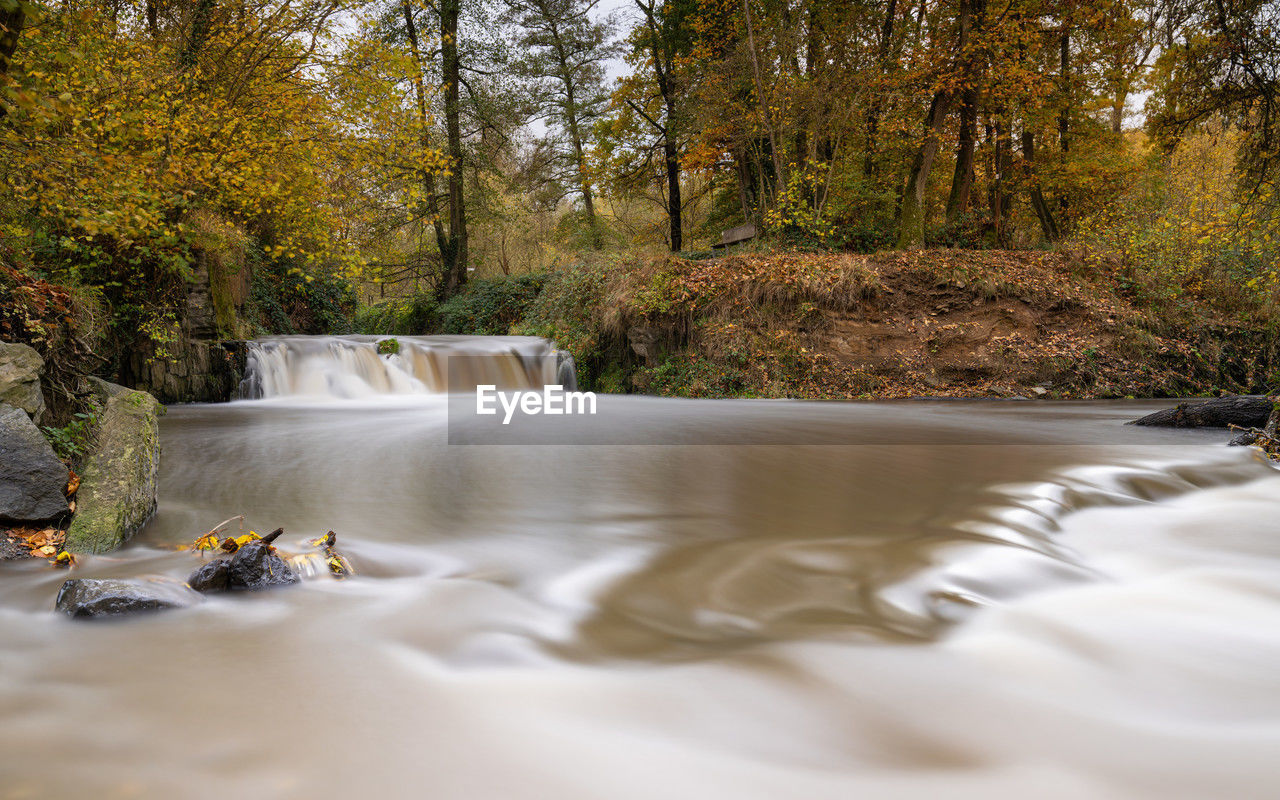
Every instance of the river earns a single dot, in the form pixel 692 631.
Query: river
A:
pixel 773 600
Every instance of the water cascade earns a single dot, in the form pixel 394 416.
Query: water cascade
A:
pixel 353 367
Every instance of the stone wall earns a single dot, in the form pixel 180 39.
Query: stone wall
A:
pixel 206 364
pixel 196 371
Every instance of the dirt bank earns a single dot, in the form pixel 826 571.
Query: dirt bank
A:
pixel 927 323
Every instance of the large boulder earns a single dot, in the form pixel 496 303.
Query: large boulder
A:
pixel 118 479
pixel 93 597
pixel 20 368
pixel 33 481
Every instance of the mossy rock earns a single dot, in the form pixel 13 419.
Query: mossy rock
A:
pixel 118 479
pixel 388 347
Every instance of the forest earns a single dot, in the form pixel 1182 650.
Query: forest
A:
pixel 413 166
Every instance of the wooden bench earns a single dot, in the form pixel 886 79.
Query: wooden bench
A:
pixel 738 235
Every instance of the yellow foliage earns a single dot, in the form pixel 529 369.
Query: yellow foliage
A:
pixel 114 140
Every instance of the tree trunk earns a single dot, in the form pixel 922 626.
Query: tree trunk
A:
pixel 873 113
pixel 662 61
pixel 201 24
pixel 455 265
pixel 962 180
pixel 1064 116
pixel 746 192
pixel 153 25
pixel 424 122
pixel 1047 225
pixel 1247 411
pixel 1001 199
pixel 579 151
pixel 675 206
pixel 762 102
pixel 911 213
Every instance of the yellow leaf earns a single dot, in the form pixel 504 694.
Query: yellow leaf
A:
pixel 207 542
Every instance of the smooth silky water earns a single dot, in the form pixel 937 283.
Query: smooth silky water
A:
pixel 964 599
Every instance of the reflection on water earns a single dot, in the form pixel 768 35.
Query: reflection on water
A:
pixel 946 609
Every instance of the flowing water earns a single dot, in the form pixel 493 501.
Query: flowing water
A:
pixel 960 599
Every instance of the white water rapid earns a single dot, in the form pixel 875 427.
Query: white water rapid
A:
pixel 354 367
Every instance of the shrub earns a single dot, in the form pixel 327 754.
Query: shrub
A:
pixel 285 299
pixel 400 316
pixel 490 307
pixel 71 440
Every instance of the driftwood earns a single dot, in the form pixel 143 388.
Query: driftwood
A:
pixel 1244 411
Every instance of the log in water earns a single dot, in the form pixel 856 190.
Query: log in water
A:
pixel 981 600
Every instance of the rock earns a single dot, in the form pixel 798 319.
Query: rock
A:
pixel 211 577
pixel 92 597
pixel 254 566
pixel 644 343
pixel 20 368
pixel 32 479
pixel 118 480
pixel 1247 411
pixel 1243 439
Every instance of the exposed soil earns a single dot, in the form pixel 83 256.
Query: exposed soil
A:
pixel 955 323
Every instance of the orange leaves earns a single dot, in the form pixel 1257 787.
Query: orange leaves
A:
pixel 43 543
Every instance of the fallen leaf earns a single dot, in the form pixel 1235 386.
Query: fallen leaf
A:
pixel 207 542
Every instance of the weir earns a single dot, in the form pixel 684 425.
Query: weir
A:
pixel 352 367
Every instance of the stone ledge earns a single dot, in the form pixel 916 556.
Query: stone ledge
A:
pixel 118 480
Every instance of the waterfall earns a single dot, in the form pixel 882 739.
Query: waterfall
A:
pixel 349 367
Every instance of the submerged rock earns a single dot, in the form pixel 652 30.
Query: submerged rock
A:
pixel 20 368
pixel 108 597
pixel 33 481
pixel 118 481
pixel 254 566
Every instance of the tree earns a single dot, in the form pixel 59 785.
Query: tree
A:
pixel 1224 66
pixel 565 51
pixel 662 38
